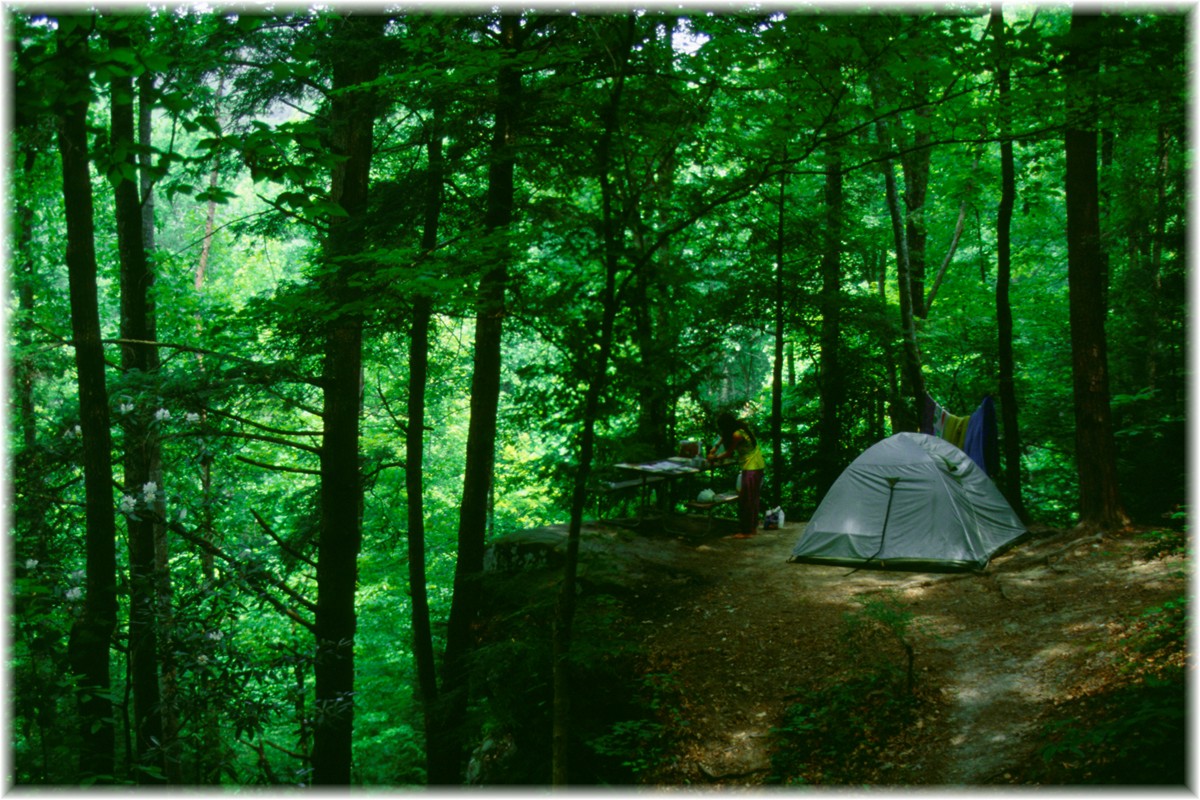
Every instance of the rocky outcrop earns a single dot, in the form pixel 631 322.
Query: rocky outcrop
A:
pixel 623 571
pixel 629 557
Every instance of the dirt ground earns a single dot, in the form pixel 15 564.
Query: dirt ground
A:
pixel 741 629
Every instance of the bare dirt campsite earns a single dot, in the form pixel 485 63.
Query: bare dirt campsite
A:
pixel 999 658
pixel 995 652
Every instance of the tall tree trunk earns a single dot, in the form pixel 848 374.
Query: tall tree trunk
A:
pixel 418 374
pixel 25 279
pixel 654 311
pixel 33 502
pixel 832 385
pixel 915 161
pixel 916 184
pixel 892 391
pixel 612 239
pixel 352 119
pixel 1095 449
pixel 145 130
pixel 649 324
pixel 912 382
pixel 139 360
pixel 1004 316
pixel 780 345
pixel 208 755
pixel 91 633
pixel 651 305
pixel 169 680
pixel 1153 271
pixel 24 372
pixel 481 432
pixel 210 214
pixel 208 566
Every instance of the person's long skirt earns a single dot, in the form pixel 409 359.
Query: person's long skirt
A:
pixel 751 483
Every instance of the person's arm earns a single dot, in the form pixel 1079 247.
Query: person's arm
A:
pixel 730 449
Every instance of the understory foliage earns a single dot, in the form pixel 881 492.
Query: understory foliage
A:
pixel 641 742
pixel 1135 732
pixel 842 732
pixel 1131 732
pixel 618 735
pixel 649 216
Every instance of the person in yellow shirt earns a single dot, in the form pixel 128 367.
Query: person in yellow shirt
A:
pixel 739 443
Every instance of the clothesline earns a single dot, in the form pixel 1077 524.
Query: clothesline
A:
pixel 975 435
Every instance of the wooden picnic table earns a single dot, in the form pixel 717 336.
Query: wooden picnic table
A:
pixel 665 471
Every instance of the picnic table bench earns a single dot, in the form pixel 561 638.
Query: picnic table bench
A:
pixel 615 492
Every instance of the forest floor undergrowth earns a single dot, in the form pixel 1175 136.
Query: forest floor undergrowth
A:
pixel 996 656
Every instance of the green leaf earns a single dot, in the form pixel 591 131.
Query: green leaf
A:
pixel 209 123
pixel 215 194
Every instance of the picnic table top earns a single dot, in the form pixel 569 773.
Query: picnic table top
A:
pixel 676 465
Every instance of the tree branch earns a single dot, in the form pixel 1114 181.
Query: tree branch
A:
pixel 282 749
pixel 263 762
pixel 288 213
pixel 383 466
pixel 277 467
pixel 185 348
pixel 221 227
pixel 262 523
pixel 958 229
pixel 254 437
pixel 259 425
pixel 240 567
pixel 401 426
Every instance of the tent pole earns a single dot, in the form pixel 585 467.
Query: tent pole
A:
pixel 883 533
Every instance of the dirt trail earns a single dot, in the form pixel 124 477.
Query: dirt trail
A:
pixel 740 629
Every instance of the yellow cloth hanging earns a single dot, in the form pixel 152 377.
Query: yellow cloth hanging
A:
pixel 955 431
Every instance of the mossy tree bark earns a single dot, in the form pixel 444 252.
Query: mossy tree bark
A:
pixel 92 631
pixel 352 119
pixel 1095 448
pixel 447 763
pixel 139 360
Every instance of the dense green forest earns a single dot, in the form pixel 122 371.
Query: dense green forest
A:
pixel 306 306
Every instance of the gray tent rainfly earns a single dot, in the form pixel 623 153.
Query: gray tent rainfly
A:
pixel 911 501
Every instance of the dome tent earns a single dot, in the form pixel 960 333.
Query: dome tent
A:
pixel 912 501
